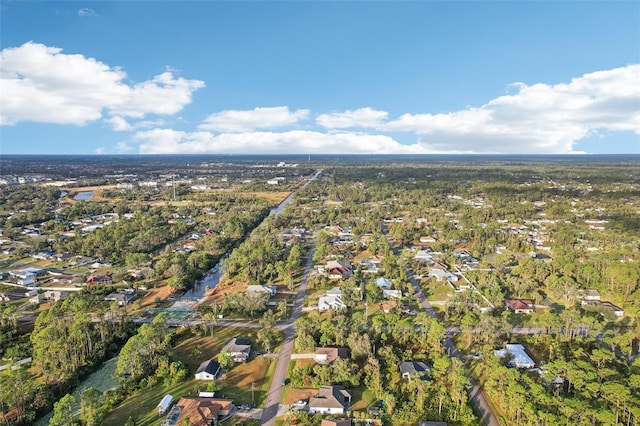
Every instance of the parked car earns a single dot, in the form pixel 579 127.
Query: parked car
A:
pixel 300 403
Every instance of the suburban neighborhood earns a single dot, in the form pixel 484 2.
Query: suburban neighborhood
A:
pixel 290 294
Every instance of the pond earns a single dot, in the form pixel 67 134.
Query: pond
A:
pixel 83 196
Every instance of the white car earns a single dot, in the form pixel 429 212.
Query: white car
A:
pixel 300 403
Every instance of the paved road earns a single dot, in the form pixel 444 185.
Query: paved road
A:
pixel 270 411
pixel 475 393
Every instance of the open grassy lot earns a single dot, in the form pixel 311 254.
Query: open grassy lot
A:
pixel 361 399
pixel 235 384
pixel 142 406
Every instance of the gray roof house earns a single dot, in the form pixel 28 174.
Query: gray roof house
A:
pixel 415 369
pixel 239 348
pixel 208 370
pixel 330 400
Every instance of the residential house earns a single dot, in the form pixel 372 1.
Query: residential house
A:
pixel 371 265
pixel 391 294
pixel 617 311
pixel 332 299
pixel 424 256
pixel 269 290
pixel 337 269
pixel 43 255
pixel 98 279
pixel 328 355
pixel 415 369
pixel 383 283
pixel 443 275
pixel 49 295
pixel 388 306
pixel 500 248
pixel 121 298
pixel 199 411
pixel 239 348
pixel 519 356
pixel 330 400
pixel 520 306
pixel 591 294
pixel 208 370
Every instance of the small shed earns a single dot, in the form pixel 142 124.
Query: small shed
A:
pixel 164 405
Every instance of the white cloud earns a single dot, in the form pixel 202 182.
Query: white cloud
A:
pixel 123 147
pixel 100 150
pixel 85 11
pixel 119 124
pixel 234 121
pixel 363 117
pixel 40 83
pixel 164 95
pixel 168 141
pixel 537 119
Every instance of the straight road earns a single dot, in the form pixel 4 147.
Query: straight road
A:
pixel 270 410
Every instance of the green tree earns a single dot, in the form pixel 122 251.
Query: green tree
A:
pixel 63 411
pixel 225 359
pixel 90 402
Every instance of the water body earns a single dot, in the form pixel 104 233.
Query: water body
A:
pixel 83 196
pixel 212 278
pixel 102 380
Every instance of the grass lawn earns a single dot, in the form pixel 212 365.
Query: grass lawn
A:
pixel 361 399
pixel 436 292
pixel 291 395
pixel 236 384
pixel 143 404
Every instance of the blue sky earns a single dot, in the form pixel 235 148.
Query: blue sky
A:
pixel 319 77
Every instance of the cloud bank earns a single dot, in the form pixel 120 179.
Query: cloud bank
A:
pixel 539 118
pixel 41 84
pixel 363 117
pixel 535 119
pixel 233 121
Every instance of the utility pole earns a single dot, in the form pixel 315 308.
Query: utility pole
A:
pixel 253 398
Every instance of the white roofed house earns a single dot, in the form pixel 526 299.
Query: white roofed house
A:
pixel 391 294
pixel 332 299
pixel 519 356
pixel 443 274
pixel 383 283
pixel 424 256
